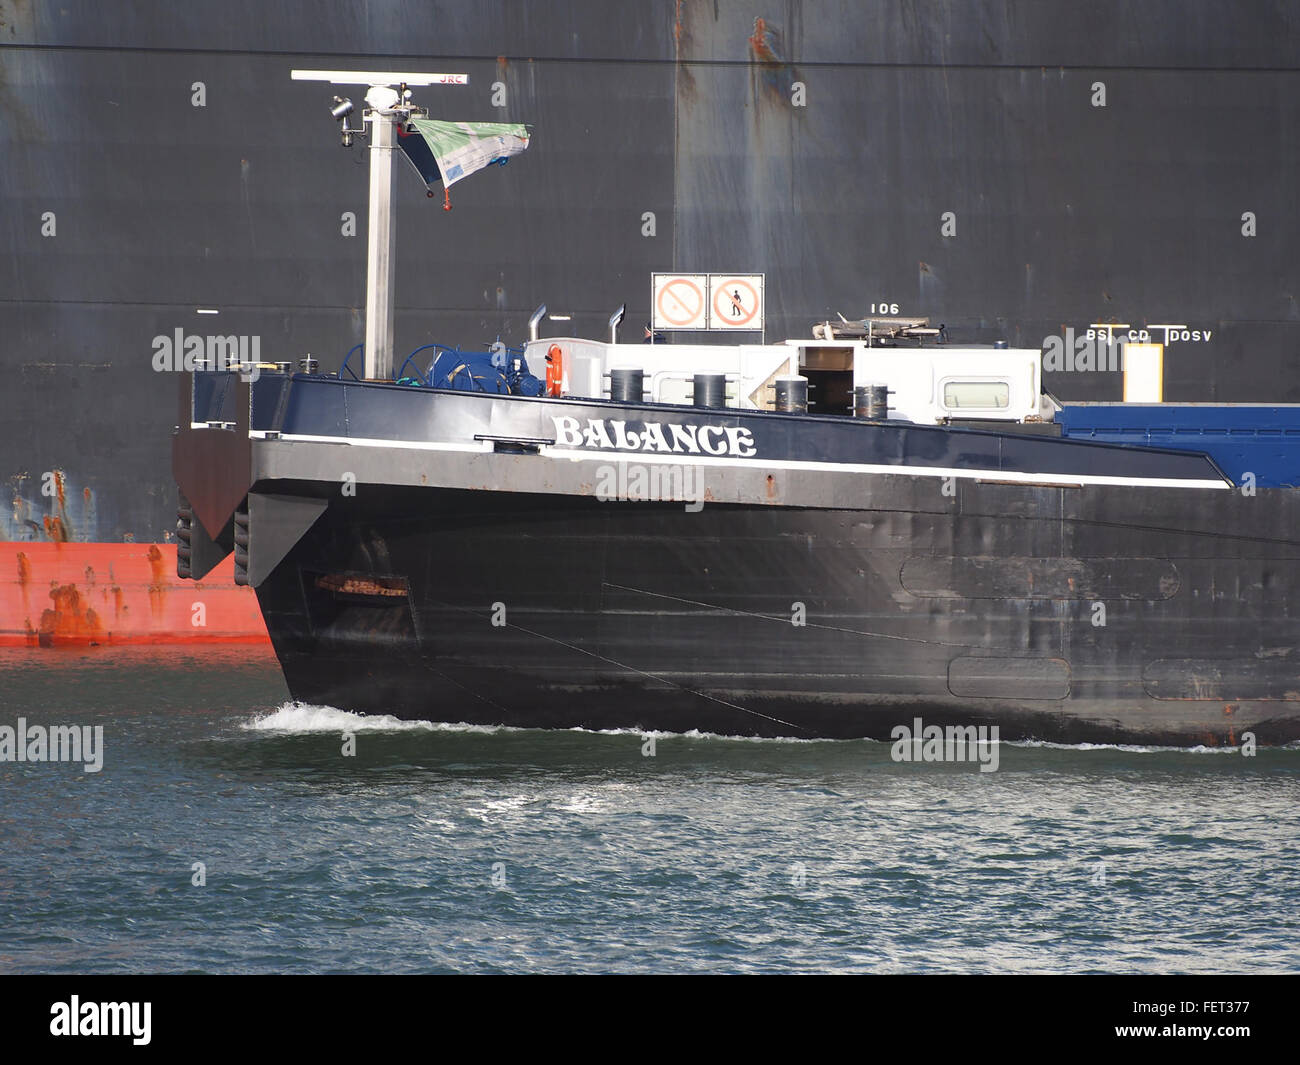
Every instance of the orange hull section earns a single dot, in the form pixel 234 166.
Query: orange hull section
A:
pixel 54 594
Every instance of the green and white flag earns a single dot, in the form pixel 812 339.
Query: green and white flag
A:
pixel 461 148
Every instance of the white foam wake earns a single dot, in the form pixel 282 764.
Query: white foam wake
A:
pixel 1126 748
pixel 306 718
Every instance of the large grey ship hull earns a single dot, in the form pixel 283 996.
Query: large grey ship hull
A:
pixel 168 147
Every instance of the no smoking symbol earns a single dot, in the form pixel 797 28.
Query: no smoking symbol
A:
pixel 681 302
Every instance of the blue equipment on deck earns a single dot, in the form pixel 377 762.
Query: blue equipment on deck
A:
pixel 1262 441
pixel 501 370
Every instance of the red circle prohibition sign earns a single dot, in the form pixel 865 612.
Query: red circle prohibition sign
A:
pixel 685 299
pixel 725 304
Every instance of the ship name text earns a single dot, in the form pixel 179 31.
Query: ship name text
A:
pixel 668 437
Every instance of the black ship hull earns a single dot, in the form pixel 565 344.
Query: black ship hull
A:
pixel 139 196
pixel 577 562
pixel 1093 614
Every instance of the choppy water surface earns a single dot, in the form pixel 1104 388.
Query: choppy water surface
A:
pixel 441 848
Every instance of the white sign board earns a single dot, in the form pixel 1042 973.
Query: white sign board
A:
pixel 736 301
pixel 708 301
pixel 681 301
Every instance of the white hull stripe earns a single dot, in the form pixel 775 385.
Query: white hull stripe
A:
pixel 1052 480
pixel 477 447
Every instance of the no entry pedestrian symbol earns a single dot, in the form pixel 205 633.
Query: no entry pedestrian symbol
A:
pixel 737 301
pixel 681 301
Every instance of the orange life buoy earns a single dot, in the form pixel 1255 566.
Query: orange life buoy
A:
pixel 554 370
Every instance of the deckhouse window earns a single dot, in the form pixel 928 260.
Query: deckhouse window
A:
pixel 980 395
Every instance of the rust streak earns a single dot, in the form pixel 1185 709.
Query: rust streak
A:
pixel 681 44
pixel 382 586
pixel 70 620
pixel 158 585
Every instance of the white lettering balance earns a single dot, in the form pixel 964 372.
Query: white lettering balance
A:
pixel 668 437
pixel 102 1018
